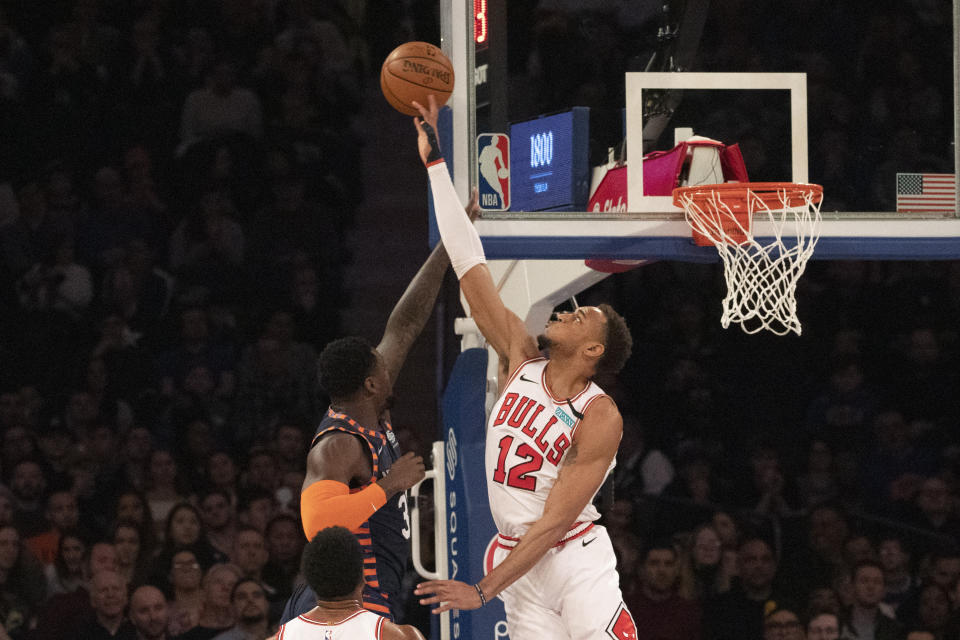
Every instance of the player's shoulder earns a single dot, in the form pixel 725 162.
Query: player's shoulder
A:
pixel 601 412
pixel 338 441
pixel 391 631
pixel 602 402
pixel 336 448
pixel 603 408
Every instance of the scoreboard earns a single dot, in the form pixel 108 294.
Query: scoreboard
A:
pixel 481 25
pixel 550 162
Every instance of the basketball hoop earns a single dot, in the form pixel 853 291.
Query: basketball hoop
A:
pixel 747 222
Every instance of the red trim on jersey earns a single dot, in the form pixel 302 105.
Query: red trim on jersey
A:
pixel 515 374
pixel 576 425
pixel 380 627
pixel 508 542
pixel 488 557
pixel 576 535
pixel 280 633
pixel 556 400
pixel 622 625
pixel 332 624
pixel 430 164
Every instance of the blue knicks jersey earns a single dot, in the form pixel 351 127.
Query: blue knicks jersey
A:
pixel 385 537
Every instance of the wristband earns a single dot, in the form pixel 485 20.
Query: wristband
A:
pixel 434 154
pixel 483 598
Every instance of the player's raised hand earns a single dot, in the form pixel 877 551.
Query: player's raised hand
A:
pixel 428 141
pixel 403 474
pixel 449 594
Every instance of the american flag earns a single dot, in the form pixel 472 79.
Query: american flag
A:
pixel 926 192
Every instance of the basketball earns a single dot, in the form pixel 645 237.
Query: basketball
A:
pixel 413 71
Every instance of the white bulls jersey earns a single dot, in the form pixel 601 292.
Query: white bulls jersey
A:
pixel 362 625
pixel 527 436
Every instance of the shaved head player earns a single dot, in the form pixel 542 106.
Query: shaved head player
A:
pixel 551 441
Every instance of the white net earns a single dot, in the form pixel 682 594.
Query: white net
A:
pixel 765 236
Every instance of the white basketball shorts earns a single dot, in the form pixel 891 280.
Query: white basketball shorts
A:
pixel 573 592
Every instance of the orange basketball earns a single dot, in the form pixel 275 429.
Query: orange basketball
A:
pixel 413 71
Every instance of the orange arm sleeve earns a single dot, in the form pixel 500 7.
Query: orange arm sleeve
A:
pixel 328 503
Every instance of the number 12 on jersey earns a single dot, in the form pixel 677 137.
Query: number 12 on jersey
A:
pixel 519 475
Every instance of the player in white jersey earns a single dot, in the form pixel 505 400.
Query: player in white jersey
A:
pixel 551 442
pixel 333 567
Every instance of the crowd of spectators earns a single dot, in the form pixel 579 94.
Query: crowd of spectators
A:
pixel 813 475
pixel 178 178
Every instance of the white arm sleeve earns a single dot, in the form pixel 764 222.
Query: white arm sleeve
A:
pixel 460 238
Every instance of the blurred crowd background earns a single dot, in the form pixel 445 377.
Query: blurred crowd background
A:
pixel 179 187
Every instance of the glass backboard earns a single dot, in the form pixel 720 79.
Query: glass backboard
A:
pixel 859 97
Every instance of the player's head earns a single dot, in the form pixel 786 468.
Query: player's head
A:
pixel 333 564
pixel 617 341
pixel 351 369
pixel 598 334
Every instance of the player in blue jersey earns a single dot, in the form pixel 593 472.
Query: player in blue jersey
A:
pixel 346 482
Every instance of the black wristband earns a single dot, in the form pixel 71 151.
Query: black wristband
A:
pixel 483 598
pixel 434 154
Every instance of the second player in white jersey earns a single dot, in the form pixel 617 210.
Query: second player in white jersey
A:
pixel 333 566
pixel 528 434
pixel 361 625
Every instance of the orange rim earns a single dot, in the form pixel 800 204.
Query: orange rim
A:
pixel 735 195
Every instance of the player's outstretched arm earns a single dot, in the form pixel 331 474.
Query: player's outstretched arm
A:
pixel 502 328
pixel 411 312
pixel 584 468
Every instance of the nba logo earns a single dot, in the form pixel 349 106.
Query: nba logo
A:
pixel 493 163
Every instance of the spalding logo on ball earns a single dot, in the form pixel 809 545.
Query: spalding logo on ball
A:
pixel 413 71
